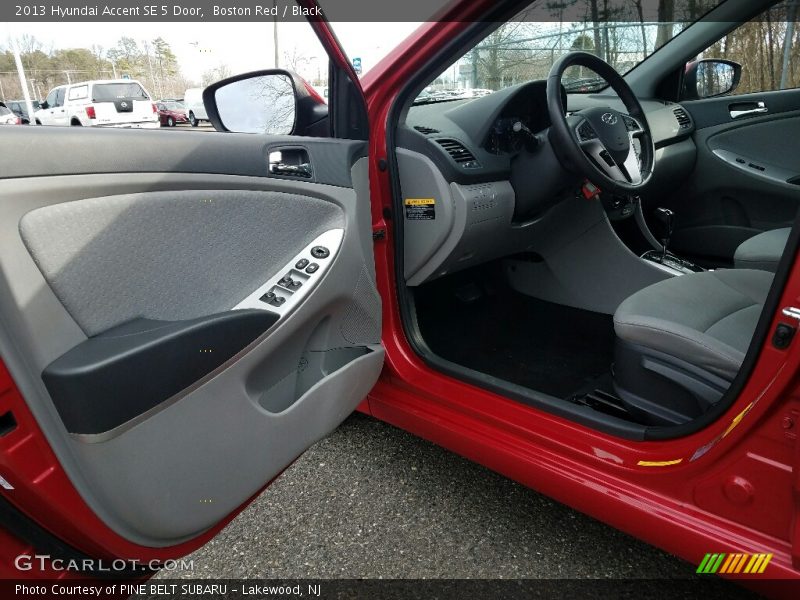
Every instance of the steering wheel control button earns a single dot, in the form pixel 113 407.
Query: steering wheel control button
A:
pixel 320 252
pixel 312 268
pixel 586 132
pixel 301 264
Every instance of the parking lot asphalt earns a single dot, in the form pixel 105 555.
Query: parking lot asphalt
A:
pixel 372 501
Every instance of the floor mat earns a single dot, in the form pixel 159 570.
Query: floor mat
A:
pixel 546 347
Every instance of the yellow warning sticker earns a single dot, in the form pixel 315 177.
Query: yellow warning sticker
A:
pixel 420 209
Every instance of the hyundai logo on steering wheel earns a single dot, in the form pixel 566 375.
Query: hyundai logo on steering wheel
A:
pixel 609 118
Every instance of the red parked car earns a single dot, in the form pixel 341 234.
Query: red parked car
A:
pixel 595 294
pixel 171 112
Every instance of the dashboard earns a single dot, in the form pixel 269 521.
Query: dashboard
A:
pixel 488 166
pixel 524 114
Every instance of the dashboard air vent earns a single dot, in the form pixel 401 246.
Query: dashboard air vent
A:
pixel 684 120
pixel 459 153
pixel 425 130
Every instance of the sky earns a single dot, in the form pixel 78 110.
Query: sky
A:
pixel 245 46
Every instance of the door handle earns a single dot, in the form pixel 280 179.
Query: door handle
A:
pixel 301 170
pixel 290 162
pixel 745 110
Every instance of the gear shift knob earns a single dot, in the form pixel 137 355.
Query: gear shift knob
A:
pixel 667 219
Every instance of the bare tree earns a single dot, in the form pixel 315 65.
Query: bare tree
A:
pixel 666 16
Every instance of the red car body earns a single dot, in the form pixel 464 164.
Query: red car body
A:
pixel 165 114
pixel 731 487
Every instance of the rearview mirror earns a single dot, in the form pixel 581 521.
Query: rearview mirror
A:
pixel 710 78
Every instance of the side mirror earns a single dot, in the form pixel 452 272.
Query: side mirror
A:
pixel 274 101
pixel 44 105
pixel 710 78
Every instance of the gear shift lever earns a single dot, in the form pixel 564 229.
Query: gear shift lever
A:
pixel 667 219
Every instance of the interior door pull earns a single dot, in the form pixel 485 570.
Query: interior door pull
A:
pixel 301 170
pixel 747 109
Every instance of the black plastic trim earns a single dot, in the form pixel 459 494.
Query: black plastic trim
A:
pixel 243 154
pixel 43 542
pixel 120 374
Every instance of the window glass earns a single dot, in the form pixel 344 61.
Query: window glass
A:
pixel 622 33
pixel 78 92
pixel 767 48
pixel 108 92
pixel 51 98
pixel 151 61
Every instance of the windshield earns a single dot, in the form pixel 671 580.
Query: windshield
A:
pixel 173 106
pixel 525 50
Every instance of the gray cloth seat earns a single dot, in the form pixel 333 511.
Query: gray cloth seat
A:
pixel 680 342
pixel 706 319
pixel 762 251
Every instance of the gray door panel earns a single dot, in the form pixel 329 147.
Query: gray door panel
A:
pixel 746 177
pixel 84 253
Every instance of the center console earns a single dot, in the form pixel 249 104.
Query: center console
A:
pixel 671 262
pixel 641 240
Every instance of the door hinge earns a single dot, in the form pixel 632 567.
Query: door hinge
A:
pixel 379 234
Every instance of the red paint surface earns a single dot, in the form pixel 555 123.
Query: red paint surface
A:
pixel 743 495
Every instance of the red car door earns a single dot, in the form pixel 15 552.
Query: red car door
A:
pixel 106 260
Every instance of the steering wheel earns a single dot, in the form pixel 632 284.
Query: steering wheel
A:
pixel 598 142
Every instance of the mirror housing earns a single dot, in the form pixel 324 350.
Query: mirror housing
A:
pixel 44 105
pixel 711 78
pixel 284 104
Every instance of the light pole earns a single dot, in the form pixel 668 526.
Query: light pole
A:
pixel 21 72
pixel 275 33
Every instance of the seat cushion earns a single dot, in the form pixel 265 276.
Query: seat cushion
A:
pixel 706 319
pixel 762 251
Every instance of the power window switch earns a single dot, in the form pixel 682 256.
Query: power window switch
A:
pixel 312 268
pixel 301 264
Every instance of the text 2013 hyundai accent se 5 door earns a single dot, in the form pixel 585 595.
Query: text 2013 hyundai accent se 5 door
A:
pixel 584 280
